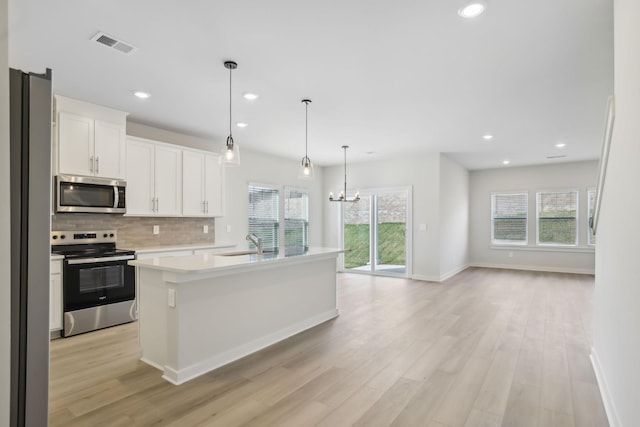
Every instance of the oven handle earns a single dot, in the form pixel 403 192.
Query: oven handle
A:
pixel 102 259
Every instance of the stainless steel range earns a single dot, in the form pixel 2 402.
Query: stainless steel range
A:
pixel 99 288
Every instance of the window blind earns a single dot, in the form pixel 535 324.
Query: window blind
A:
pixel 296 221
pixel 591 200
pixel 509 218
pixel 557 218
pixel 264 216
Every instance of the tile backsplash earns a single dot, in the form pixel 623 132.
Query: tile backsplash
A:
pixel 137 231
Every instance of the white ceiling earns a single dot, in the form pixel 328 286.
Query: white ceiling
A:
pixel 391 77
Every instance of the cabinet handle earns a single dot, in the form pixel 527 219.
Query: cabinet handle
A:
pixel 90 163
pixel 207 203
pixel 153 204
pixel 157 204
pixel 97 164
pixel 204 207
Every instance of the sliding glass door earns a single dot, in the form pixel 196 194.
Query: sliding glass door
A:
pixel 375 231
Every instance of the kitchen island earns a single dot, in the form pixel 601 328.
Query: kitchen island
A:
pixel 200 312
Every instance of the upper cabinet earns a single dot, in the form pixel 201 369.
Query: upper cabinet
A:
pixel 202 184
pixel 91 139
pixel 154 178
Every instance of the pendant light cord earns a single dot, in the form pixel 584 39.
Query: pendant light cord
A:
pixel 345 171
pixel 230 134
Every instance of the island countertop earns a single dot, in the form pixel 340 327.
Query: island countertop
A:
pixel 223 264
pixel 200 312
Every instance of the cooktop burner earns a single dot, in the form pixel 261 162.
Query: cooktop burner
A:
pixel 86 244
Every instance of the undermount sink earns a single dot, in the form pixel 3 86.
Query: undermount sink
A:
pixel 238 253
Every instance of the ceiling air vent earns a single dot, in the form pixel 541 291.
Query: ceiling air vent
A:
pixel 114 43
pixel 557 157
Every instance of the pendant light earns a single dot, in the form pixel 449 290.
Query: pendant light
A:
pixel 343 193
pixel 230 151
pixel 306 168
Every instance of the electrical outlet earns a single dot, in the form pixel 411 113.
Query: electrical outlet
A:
pixel 510 254
pixel 423 227
pixel 205 229
pixel 228 229
pixel 156 229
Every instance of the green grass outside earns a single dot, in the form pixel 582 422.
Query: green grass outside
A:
pixel 391 242
pixel 552 229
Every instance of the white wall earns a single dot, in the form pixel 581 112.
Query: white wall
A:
pixel 454 218
pixel 616 346
pixel 263 168
pixel 422 173
pixel 5 273
pixel 579 175
pixel 254 167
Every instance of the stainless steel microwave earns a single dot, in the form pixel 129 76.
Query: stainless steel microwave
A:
pixel 90 194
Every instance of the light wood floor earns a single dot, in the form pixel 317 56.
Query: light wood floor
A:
pixel 486 348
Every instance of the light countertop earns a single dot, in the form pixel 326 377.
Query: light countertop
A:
pixel 205 263
pixel 55 257
pixel 151 249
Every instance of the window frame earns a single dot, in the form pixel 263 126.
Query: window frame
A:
pixel 287 189
pixel 518 243
pixel 279 215
pixel 591 193
pixel 577 218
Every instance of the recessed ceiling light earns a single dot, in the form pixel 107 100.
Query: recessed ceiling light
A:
pixel 142 95
pixel 370 152
pixel 505 162
pixel 487 137
pixel 250 96
pixel 242 124
pixel 561 145
pixel 473 9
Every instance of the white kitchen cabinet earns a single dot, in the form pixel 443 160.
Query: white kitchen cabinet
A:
pixel 202 184
pixel 90 139
pixel 55 296
pixel 154 178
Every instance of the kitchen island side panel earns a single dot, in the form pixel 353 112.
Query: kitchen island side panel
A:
pixel 152 303
pixel 217 320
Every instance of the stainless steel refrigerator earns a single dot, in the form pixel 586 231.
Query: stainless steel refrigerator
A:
pixel 30 175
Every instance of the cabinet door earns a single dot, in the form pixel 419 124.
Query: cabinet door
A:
pixel 192 183
pixel 214 185
pixel 109 150
pixel 55 302
pixel 75 144
pixel 140 173
pixel 168 178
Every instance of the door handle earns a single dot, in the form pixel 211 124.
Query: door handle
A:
pixel 97 164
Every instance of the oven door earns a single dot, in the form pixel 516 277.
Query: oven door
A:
pixel 92 282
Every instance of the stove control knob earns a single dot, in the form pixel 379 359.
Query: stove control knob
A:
pixel 62 236
pixel 111 235
pixel 55 237
pixel 104 235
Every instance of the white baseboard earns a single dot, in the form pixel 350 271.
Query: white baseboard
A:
pixel 440 278
pixel 609 407
pixel 534 268
pixel 452 273
pixel 424 278
pixel 180 376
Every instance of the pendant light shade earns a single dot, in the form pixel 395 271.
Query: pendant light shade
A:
pixel 306 167
pixel 342 197
pixel 230 151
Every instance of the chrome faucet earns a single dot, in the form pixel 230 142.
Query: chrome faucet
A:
pixel 256 241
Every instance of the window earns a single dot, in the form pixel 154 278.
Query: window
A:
pixel 557 218
pixel 264 215
pixel 591 200
pixel 509 218
pixel 296 221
